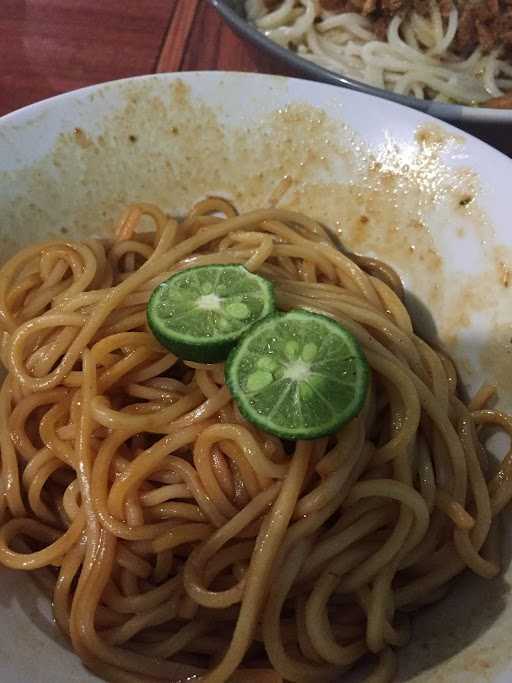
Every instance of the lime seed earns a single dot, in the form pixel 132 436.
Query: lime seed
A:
pixel 238 310
pixel 259 380
pixel 309 352
pixel 291 350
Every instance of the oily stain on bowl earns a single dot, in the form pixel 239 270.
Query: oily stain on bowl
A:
pixel 166 146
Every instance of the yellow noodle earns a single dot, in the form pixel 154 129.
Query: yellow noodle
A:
pixel 170 526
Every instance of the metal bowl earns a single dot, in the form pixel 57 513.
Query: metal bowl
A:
pixel 466 117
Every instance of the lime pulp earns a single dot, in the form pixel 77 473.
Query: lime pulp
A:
pixel 298 375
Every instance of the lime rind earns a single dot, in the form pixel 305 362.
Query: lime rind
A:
pixel 298 375
pixel 200 313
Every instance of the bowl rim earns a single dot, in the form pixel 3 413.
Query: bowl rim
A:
pixel 25 114
pixel 450 112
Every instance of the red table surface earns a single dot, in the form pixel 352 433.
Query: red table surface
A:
pixel 51 46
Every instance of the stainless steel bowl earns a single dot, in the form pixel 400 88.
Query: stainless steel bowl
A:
pixel 475 119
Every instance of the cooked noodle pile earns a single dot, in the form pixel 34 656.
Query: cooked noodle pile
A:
pixel 416 57
pixel 174 537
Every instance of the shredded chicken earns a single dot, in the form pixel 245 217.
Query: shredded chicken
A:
pixel 484 23
pixel 487 23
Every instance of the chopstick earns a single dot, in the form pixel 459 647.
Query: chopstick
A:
pixel 178 33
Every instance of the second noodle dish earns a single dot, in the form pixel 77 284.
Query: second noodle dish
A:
pixel 454 51
pixel 227 455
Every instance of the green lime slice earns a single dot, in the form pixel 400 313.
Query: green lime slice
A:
pixel 298 375
pixel 200 313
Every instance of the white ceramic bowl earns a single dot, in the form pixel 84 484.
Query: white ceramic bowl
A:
pixel 393 182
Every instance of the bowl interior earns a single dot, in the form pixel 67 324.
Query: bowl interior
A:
pixel 390 181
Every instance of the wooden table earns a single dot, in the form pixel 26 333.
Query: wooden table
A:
pixel 51 46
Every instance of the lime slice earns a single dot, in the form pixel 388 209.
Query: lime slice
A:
pixel 200 313
pixel 298 375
